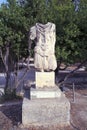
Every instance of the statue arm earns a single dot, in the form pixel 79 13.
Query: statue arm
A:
pixel 32 36
pixel 29 45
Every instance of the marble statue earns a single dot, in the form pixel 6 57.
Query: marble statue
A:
pixel 45 37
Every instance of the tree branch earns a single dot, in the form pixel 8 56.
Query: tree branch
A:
pixel 25 73
pixel 71 73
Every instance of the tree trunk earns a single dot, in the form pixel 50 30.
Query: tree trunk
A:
pixel 6 61
pixel 7 81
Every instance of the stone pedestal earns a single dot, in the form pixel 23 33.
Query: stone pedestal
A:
pixel 47 104
pixel 46 112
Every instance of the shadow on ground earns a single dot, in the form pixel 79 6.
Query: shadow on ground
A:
pixel 12 113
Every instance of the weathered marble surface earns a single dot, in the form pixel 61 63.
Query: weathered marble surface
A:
pixel 43 93
pixel 47 105
pixel 47 111
pixel 45 79
pixel 44 36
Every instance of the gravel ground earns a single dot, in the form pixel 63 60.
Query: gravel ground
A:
pixel 11 115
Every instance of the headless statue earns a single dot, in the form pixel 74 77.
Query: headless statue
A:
pixel 45 37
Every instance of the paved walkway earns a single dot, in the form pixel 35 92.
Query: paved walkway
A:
pixel 79 77
pixel 10 103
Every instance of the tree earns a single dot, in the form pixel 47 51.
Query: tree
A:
pixel 11 36
pixel 69 33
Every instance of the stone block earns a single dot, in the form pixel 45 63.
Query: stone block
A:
pixel 46 112
pixel 45 79
pixel 53 92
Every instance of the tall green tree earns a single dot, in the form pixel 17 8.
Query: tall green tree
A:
pixel 12 34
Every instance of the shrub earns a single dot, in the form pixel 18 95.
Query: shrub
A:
pixel 10 95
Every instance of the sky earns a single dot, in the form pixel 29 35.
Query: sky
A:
pixel 1 1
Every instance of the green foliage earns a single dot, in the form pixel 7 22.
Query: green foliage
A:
pixel 71 31
pixel 13 27
pixel 71 27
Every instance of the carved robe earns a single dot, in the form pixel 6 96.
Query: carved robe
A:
pixel 45 36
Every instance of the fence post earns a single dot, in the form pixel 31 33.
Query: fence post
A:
pixel 73 92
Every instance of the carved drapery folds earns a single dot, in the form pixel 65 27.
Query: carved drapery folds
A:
pixel 45 37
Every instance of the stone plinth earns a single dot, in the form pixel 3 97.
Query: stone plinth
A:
pixel 45 79
pixel 46 112
pixel 47 105
pixel 53 92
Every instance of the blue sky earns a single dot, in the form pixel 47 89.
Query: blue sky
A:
pixel 1 1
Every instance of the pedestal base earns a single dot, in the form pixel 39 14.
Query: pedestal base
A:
pixel 46 112
pixel 47 105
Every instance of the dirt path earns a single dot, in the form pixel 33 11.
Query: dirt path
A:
pixel 78 109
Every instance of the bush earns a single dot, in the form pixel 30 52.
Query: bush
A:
pixel 10 95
